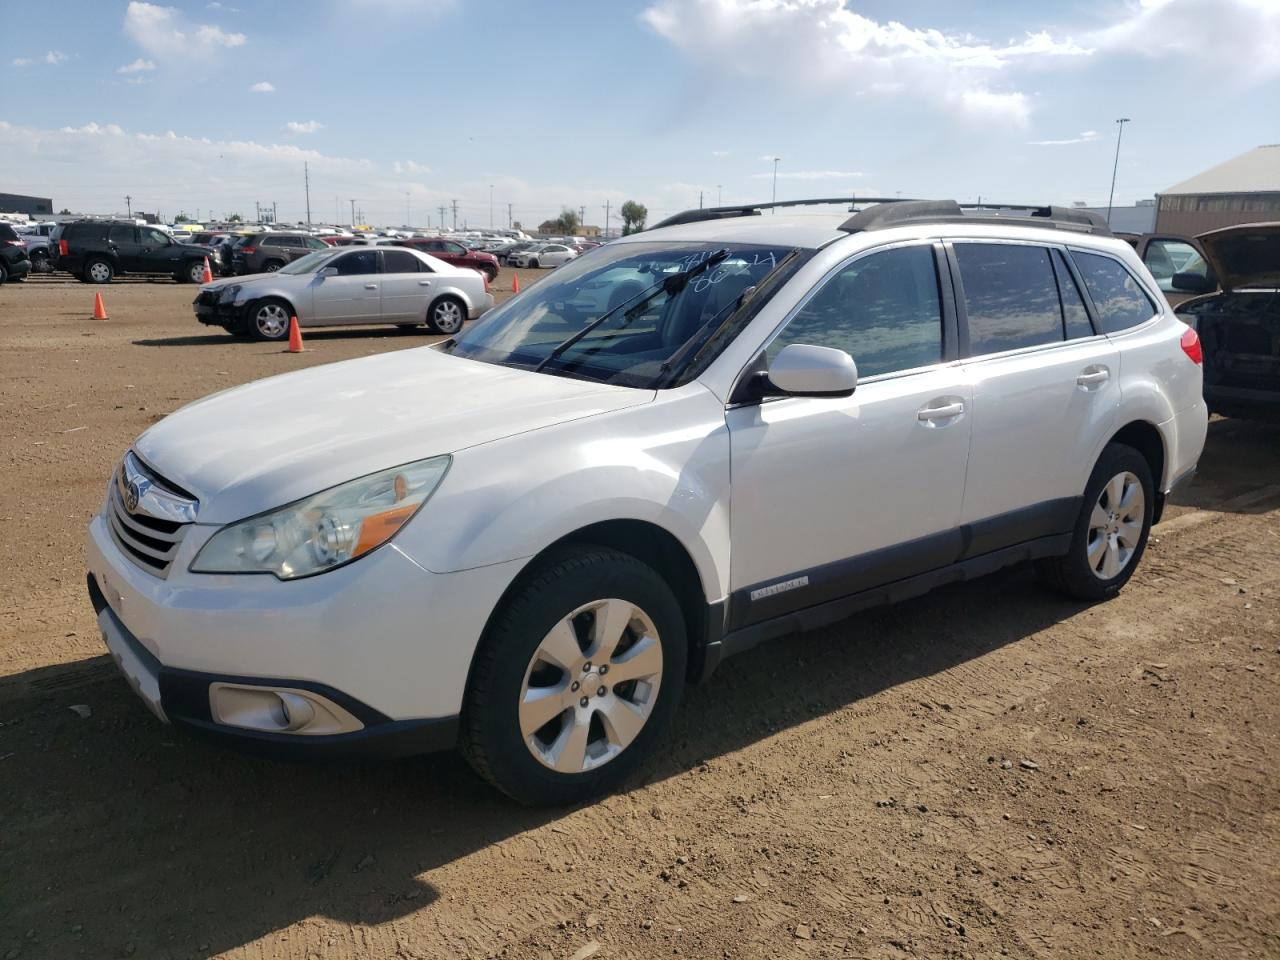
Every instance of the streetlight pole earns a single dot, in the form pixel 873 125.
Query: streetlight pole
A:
pixel 491 206
pixel 1115 167
pixel 775 183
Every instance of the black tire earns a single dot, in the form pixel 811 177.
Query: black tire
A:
pixel 534 263
pixel 491 273
pixel 446 315
pixel 1073 573
pixel 4 274
pixel 271 266
pixel 103 269
pixel 263 319
pixel 561 583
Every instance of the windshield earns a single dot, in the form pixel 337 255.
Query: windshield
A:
pixel 309 263
pixel 631 346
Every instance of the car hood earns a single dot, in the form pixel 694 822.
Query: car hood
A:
pixel 274 441
pixel 1244 256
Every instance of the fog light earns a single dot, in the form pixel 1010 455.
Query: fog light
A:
pixel 278 710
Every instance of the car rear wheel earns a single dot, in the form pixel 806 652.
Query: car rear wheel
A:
pixel 577 676
pixel 1111 531
pixel 491 273
pixel 271 266
pixel 447 315
pixel 4 274
pixel 269 320
pixel 98 271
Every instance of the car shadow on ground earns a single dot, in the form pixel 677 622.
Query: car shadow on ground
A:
pixel 137 835
pixel 313 334
pixel 1239 471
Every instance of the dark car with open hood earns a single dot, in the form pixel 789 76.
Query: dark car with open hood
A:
pixel 1239 324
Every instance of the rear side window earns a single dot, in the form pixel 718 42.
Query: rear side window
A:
pixel 883 310
pixel 1117 297
pixel 1075 317
pixel 360 262
pixel 121 235
pixel 401 261
pixel 1010 296
pixel 7 232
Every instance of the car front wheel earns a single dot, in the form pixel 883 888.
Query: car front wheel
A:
pixel 1111 531
pixel 194 272
pixel 576 677
pixel 269 320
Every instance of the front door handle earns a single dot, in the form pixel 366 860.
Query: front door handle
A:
pixel 371 286
pixel 1091 376
pixel 942 412
pixel 424 283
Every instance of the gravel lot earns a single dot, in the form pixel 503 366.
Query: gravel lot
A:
pixel 988 771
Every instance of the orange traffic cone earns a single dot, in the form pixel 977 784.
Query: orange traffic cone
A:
pixel 99 309
pixel 207 277
pixel 515 283
pixel 295 336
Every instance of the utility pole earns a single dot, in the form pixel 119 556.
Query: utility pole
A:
pixel 1115 167
pixel 508 216
pixel 257 212
pixel 128 204
pixel 353 211
pixel 442 208
pixel 582 219
pixel 455 215
pixel 699 199
pixel 718 197
pixel 407 219
pixel 306 178
pixel 606 219
pixel 491 206
pixel 275 216
pixel 775 183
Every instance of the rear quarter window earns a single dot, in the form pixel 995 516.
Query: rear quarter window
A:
pixel 1118 298
pixel 7 232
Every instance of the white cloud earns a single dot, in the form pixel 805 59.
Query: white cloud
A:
pixel 823 42
pixel 1240 37
pixel 52 58
pixel 262 86
pixel 719 153
pixel 809 174
pixel 138 66
pixel 308 126
pixel 1084 137
pixel 409 167
pixel 163 32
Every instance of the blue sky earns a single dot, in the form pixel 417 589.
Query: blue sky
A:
pixel 582 102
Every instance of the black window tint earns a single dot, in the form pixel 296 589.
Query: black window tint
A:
pixel 292 242
pixel 269 242
pixel 1119 300
pixel 1010 296
pixel 360 262
pixel 400 261
pixel 120 235
pixel 7 232
pixel 454 248
pixel 1075 317
pixel 154 238
pixel 883 310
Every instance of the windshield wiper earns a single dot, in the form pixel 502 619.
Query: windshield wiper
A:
pixel 675 364
pixel 672 284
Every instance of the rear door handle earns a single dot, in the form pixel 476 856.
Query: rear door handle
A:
pixel 1093 375
pixel 944 412
pixel 424 283
pixel 371 286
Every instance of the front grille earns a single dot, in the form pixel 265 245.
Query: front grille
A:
pixel 147 540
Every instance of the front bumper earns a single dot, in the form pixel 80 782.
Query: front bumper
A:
pixel 208 309
pixel 376 652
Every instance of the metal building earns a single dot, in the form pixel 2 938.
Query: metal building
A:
pixel 1244 189
pixel 31 206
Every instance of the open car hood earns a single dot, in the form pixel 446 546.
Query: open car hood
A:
pixel 1244 256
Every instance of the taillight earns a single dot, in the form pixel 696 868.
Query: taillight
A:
pixel 248 250
pixel 62 248
pixel 1190 344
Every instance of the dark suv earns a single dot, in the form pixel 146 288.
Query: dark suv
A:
pixel 453 252
pixel 15 264
pixel 96 251
pixel 268 252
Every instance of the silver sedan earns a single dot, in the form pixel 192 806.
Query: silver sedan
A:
pixel 343 286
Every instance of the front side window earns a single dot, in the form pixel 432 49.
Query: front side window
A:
pixel 155 238
pixel 357 264
pixel 883 310
pixel 1010 296
pixel 652 326
pixel 454 248
pixel 1118 299
pixel 1164 258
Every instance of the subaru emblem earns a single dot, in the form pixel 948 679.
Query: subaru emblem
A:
pixel 131 496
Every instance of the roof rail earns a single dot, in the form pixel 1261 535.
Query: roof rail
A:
pixel 754 209
pixel 884 212
pixel 896 213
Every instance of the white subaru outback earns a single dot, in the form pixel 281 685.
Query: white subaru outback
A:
pixel 523 541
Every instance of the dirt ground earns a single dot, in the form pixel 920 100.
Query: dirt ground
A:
pixel 988 771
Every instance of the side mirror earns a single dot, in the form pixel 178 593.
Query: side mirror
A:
pixel 802 370
pixel 327 272
pixel 1192 283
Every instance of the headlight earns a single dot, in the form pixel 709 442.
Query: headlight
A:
pixel 326 530
pixel 229 293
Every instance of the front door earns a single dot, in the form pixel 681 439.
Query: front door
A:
pixel 158 252
pixel 353 295
pixel 835 496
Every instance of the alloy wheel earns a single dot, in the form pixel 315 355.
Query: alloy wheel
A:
pixel 1115 525
pixel 447 316
pixel 99 272
pixel 272 321
pixel 590 686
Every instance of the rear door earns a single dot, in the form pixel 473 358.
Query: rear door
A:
pixel 353 295
pixel 1046 389
pixel 406 286
pixel 122 241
